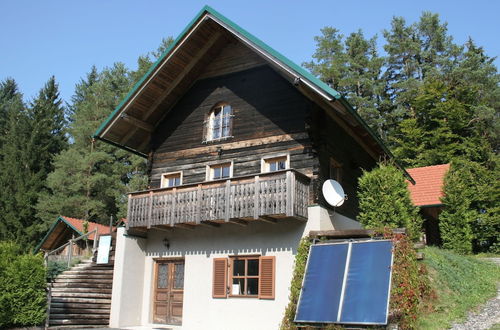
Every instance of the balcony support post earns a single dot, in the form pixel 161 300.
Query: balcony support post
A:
pixel 150 211
pixel 288 193
pixel 227 197
pixel 198 203
pixel 256 198
pixel 129 211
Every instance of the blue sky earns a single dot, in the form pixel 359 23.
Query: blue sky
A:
pixel 65 38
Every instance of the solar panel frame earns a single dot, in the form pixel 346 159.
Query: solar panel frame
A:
pixel 304 280
pixel 344 285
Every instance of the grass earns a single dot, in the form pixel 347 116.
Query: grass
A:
pixel 461 284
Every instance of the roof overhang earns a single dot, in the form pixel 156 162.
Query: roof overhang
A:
pixel 60 221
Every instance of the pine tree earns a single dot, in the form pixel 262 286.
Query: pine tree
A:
pixel 470 221
pixel 33 135
pixel 352 67
pixel 91 177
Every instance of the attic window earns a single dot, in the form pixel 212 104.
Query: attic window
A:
pixel 219 122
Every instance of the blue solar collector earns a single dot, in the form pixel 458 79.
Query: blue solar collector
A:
pixel 347 283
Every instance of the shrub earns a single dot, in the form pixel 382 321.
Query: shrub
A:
pixel 384 201
pixel 470 221
pixel 298 275
pixel 410 282
pixel 22 289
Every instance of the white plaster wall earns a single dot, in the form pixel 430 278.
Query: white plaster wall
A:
pixel 321 218
pixel 128 280
pixel 200 246
pixel 133 287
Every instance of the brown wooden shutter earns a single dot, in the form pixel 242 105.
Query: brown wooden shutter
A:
pixel 266 283
pixel 219 289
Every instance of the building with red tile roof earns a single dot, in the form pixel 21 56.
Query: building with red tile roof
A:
pixel 65 228
pixel 428 188
pixel 427 193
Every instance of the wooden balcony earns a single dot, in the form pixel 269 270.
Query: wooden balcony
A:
pixel 266 197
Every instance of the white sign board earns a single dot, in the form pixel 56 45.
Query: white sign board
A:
pixel 103 251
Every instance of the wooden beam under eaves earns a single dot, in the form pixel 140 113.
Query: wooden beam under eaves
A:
pixel 177 81
pixel 213 39
pixel 268 219
pixel 137 122
pixel 239 222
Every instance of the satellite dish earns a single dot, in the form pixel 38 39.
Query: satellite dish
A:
pixel 333 193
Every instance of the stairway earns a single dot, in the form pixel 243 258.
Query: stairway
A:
pixel 81 296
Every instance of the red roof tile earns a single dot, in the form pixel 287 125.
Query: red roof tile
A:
pixel 78 224
pixel 429 184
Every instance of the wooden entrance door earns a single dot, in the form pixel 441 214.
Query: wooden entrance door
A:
pixel 169 291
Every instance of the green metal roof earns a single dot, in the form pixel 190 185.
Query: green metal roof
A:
pixel 303 73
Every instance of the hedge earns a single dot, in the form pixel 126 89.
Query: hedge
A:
pixel 22 288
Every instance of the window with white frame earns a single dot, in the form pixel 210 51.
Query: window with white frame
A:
pixel 275 163
pixel 171 179
pixel 219 122
pixel 219 171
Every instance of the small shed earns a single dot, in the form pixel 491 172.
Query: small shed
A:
pixel 66 228
pixel 426 193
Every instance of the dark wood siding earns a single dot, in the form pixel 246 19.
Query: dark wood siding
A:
pixel 269 119
pixel 331 141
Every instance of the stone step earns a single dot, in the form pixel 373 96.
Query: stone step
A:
pixel 88 272
pixel 92 267
pixel 83 282
pixel 81 290
pixel 80 295
pixel 70 284
pixel 58 310
pixel 63 305
pixel 80 321
pixel 85 276
pixel 70 294
pixel 78 316
pixel 80 300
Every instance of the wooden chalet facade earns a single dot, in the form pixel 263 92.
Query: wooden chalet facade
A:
pixel 239 140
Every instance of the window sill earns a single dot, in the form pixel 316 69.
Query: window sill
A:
pixel 214 141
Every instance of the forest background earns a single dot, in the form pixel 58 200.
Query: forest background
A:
pixel 431 100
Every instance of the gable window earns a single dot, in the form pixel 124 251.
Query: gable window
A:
pixel 244 276
pixel 275 164
pixel 220 171
pixel 219 122
pixel 171 179
pixel 335 170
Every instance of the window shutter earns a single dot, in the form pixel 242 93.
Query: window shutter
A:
pixel 219 289
pixel 266 283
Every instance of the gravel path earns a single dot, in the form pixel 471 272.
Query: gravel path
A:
pixel 485 318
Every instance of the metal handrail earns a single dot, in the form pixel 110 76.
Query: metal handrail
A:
pixel 70 243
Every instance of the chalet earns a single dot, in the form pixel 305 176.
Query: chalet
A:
pixel 66 228
pixel 426 193
pixel 239 140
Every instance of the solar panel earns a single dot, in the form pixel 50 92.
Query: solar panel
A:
pixel 346 283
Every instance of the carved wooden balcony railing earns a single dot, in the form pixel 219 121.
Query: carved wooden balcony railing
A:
pixel 267 196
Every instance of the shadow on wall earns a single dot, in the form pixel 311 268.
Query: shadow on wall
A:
pixel 256 238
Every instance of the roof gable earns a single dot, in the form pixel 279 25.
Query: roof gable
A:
pixel 131 124
pixel 74 224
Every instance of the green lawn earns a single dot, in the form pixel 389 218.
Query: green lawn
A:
pixel 461 283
